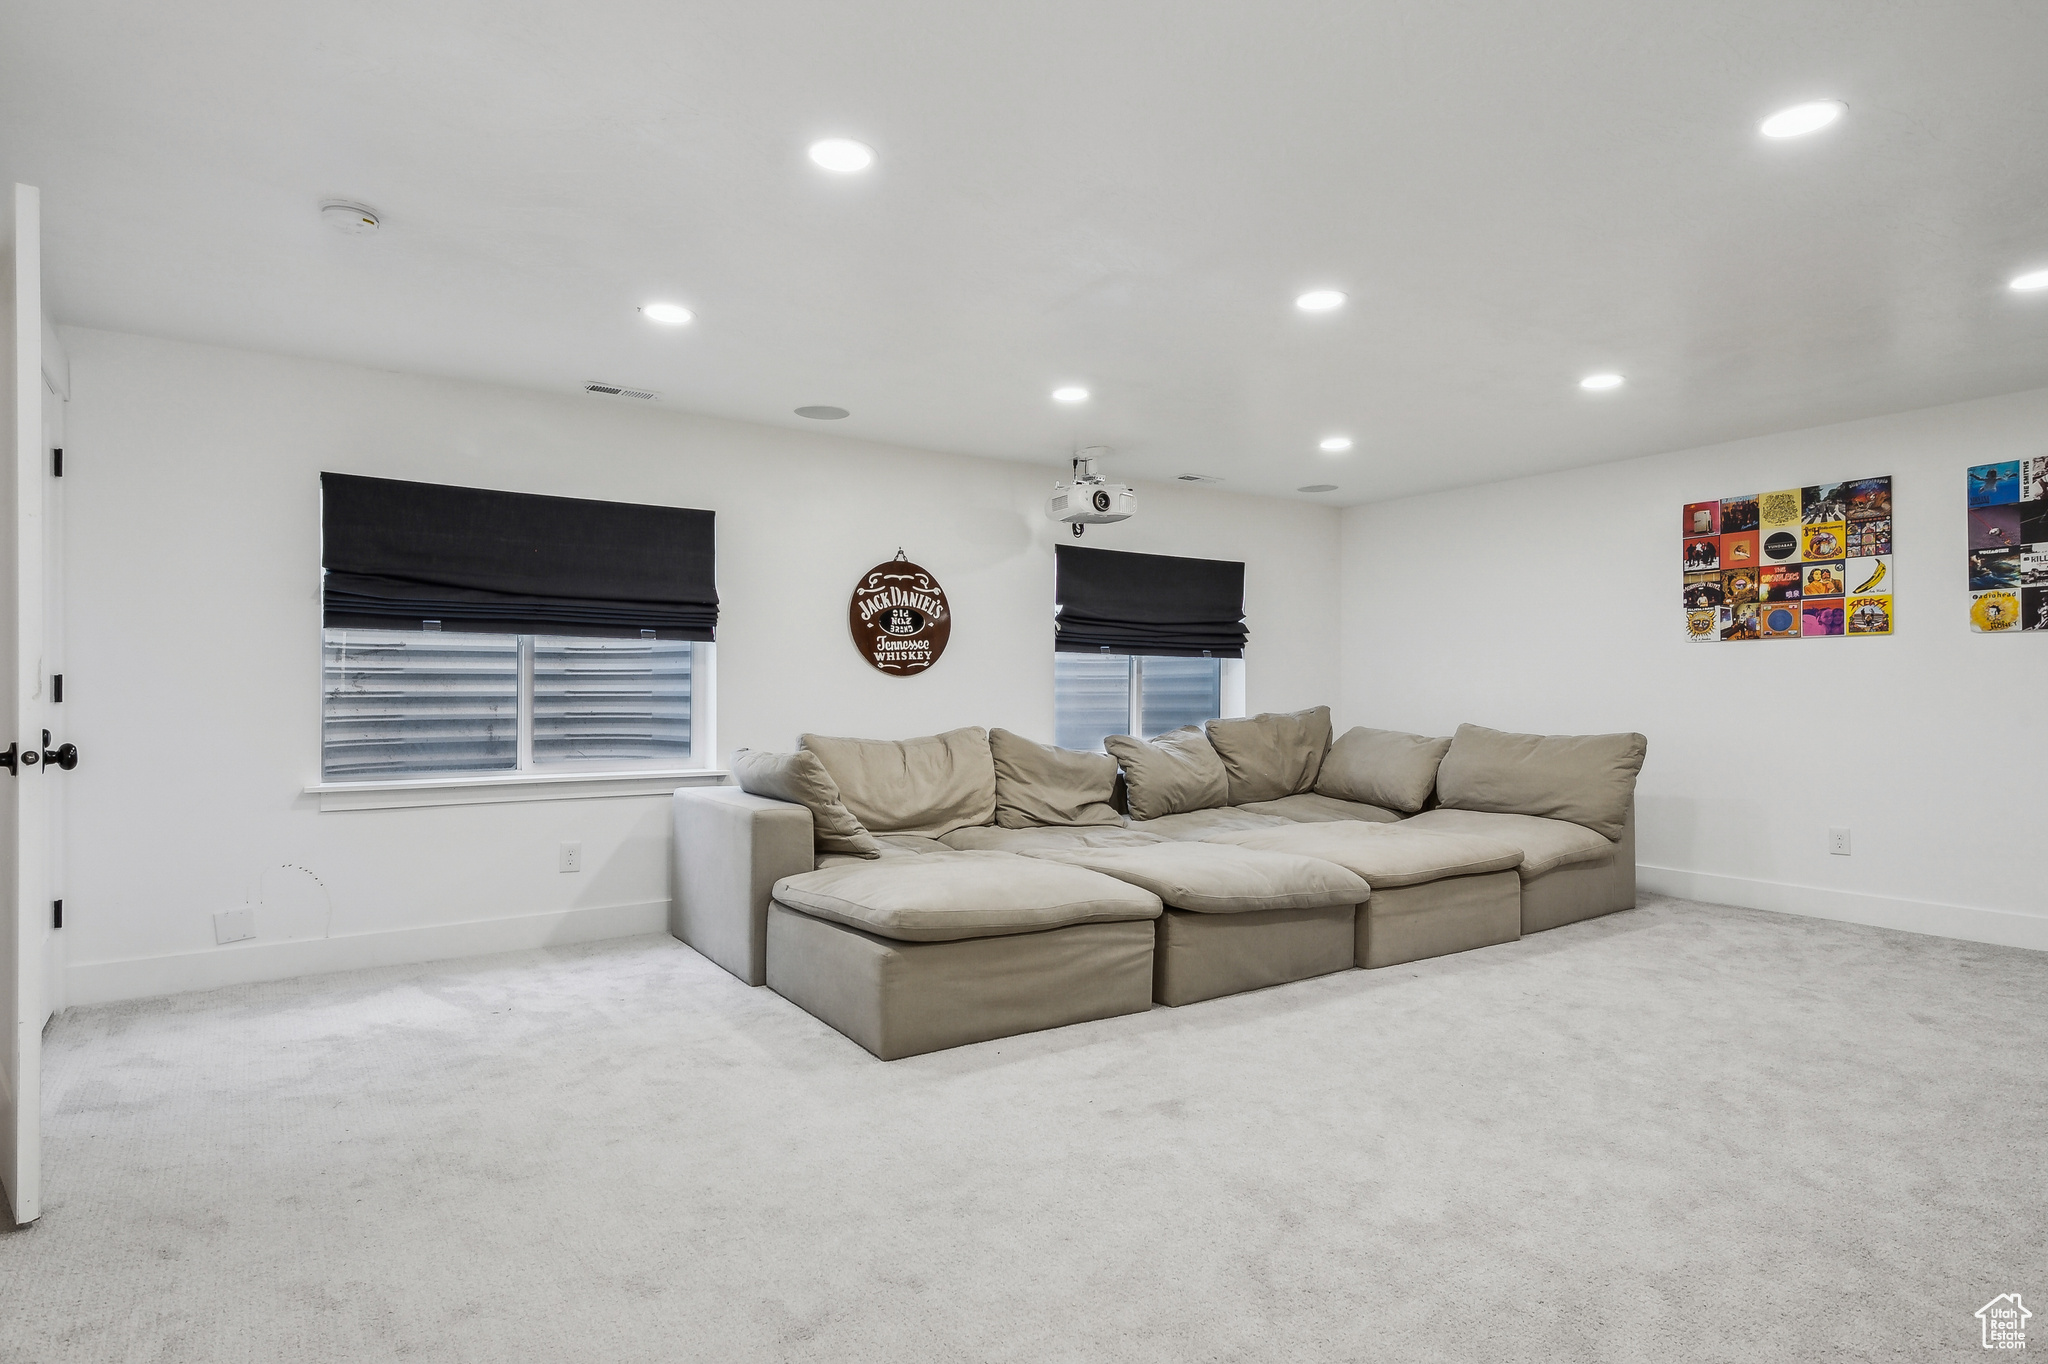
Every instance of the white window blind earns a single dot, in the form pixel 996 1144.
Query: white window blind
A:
pixel 418 703
pixel 412 703
pixel 1177 691
pixel 1091 697
pixel 612 701
pixel 1101 694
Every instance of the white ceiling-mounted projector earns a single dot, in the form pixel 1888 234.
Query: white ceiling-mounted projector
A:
pixel 1091 499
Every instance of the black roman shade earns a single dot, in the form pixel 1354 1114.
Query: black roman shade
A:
pixel 399 553
pixel 1112 602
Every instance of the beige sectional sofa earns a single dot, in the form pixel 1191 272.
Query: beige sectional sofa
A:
pixel 931 892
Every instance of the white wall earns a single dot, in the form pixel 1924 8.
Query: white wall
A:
pixel 1552 604
pixel 193 669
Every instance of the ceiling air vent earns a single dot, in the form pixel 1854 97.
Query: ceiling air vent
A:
pixel 1197 478
pixel 617 390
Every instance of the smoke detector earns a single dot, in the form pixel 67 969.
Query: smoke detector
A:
pixel 352 218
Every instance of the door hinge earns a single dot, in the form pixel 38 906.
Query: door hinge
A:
pixel 56 913
pixel 56 463
pixel 56 687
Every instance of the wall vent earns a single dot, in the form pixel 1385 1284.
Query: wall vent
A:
pixel 617 390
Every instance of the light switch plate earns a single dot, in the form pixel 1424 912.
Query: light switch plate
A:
pixel 233 925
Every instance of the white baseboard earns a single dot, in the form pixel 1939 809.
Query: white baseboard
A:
pixel 2003 927
pixel 103 982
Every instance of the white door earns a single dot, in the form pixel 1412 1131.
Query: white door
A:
pixel 24 706
pixel 56 797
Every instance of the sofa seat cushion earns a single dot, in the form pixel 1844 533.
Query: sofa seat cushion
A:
pixel 1038 784
pixel 950 896
pixel 1310 808
pixel 1029 841
pixel 915 844
pixel 1201 823
pixel 1384 854
pixel 1587 779
pixel 1214 878
pixel 889 845
pixel 1272 755
pixel 928 786
pixel 1546 844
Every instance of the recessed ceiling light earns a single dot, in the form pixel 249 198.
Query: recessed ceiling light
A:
pixel 843 154
pixel 1319 300
pixel 1802 119
pixel 668 314
pixel 1600 383
pixel 822 413
pixel 1336 445
pixel 1072 393
pixel 2029 282
pixel 1317 488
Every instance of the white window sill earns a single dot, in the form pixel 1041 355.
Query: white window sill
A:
pixel 498 788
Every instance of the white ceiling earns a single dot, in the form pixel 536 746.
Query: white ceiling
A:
pixel 1126 195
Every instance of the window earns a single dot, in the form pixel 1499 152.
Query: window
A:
pixel 468 631
pixel 421 703
pixel 1100 694
pixel 1143 643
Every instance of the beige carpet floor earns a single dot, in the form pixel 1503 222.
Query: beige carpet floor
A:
pixel 1682 1133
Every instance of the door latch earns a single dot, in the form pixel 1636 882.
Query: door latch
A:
pixel 64 755
pixel 16 757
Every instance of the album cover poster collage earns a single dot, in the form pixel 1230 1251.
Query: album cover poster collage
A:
pixel 1802 563
pixel 2009 546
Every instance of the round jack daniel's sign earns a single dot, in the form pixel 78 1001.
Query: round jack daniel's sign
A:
pixel 899 617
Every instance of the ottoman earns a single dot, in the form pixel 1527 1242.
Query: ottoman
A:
pixel 1236 918
pixel 907 955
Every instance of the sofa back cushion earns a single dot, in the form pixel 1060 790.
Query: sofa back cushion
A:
pixel 1382 767
pixel 928 786
pixel 1588 779
pixel 1038 785
pixel 1172 774
pixel 802 780
pixel 1272 755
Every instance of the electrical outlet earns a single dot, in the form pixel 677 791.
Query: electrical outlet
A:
pixel 1838 842
pixel 572 857
pixel 233 925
